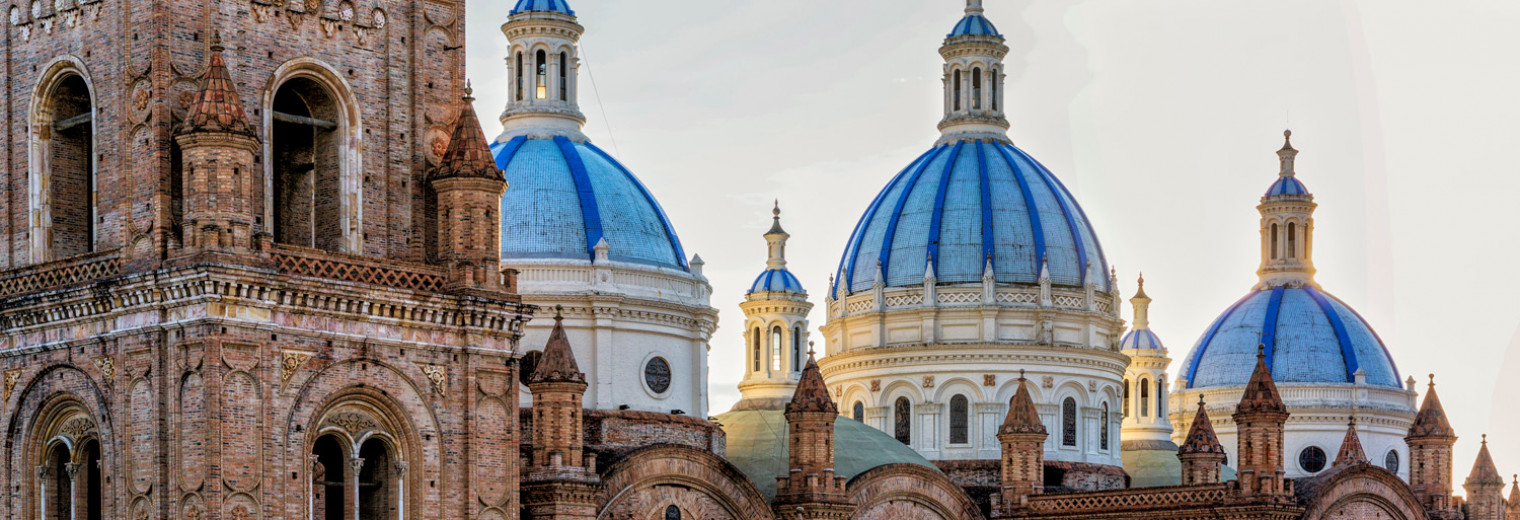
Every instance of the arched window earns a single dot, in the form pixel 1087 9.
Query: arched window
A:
pixel 672 513
pixel 1274 241
pixel 564 86
pixel 306 142
pixel 1145 398
pixel 976 88
pixel 796 349
pixel 859 411
pixel 543 76
pixel 958 420
pixel 1069 422
pixel 1161 396
pixel 776 349
pixel 992 83
pixel 902 421
pixel 755 341
pixel 65 146
pixel 1125 406
pixel 519 70
pixel 957 90
pixel 1292 240
pixel 1103 429
pixel 327 480
pixel 377 486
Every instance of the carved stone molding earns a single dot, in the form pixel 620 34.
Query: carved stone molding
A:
pixel 77 428
pixel 353 422
pixel 12 378
pixel 291 362
pixel 438 375
pixel 107 367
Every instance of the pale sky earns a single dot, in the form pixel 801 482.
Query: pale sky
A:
pixel 1162 116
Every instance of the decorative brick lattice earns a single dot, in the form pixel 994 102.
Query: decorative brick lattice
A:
pixel 860 306
pixel 65 272
pixel 1018 297
pixel 1067 301
pixel 351 269
pixel 905 300
pixel 1104 306
pixel 1128 499
pixel 960 297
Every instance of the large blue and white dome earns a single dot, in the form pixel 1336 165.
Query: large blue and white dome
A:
pixel 964 203
pixel 1309 336
pixel 565 196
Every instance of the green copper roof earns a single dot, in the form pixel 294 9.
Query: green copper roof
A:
pixel 1159 467
pixel 757 445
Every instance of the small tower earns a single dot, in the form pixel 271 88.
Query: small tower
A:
pixel 218 147
pixel 1023 441
pixel 775 327
pixel 973 53
pixel 1430 441
pixel 1145 389
pixel 561 480
pixel 1351 448
pixel 810 490
pixel 468 187
pixel 1485 488
pixel 1259 420
pixel 1287 226
pixel 1201 454
pixel 1512 510
pixel 542 70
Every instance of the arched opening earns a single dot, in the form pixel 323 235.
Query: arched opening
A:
pixel 519 70
pixel 1125 406
pixel 1161 396
pixel 993 84
pixel 543 75
pixel 1145 398
pixel 755 342
pixel 796 349
pixel 377 488
pixel 976 88
pixel 327 481
pixel 672 513
pixel 957 89
pixel 89 460
pixel 776 349
pixel 859 411
pixel 959 430
pixel 308 162
pixel 1103 429
pixel 564 86
pixel 1069 422
pixel 902 421
pixel 67 145
pixel 57 486
pixel 1274 241
pixel 1292 240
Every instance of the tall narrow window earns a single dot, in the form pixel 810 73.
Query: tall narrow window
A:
pixel 71 170
pixel 1274 241
pixel 902 421
pixel 958 420
pixel 859 411
pixel 308 148
pixel 992 83
pixel 564 65
pixel 1161 396
pixel 377 486
pixel 543 76
pixel 56 484
pixel 1125 406
pixel 957 90
pixel 976 88
pixel 1292 240
pixel 327 482
pixel 796 349
pixel 1103 429
pixel 755 343
pixel 1069 422
pixel 519 70
pixel 776 349
pixel 1145 398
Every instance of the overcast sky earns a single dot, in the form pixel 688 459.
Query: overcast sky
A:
pixel 1161 115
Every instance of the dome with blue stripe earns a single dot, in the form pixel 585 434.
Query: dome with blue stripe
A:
pixel 1309 337
pixel 1287 186
pixel 776 280
pixel 1142 339
pixel 563 197
pixel 974 25
pixel 558 6
pixel 963 205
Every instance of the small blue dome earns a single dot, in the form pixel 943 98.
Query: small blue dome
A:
pixel 1286 186
pixel 1141 340
pixel 558 6
pixel 963 204
pixel 563 197
pixel 974 25
pixel 1309 335
pixel 776 280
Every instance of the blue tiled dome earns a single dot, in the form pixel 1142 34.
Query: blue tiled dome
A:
pixel 776 280
pixel 1286 186
pixel 558 6
pixel 1309 335
pixel 563 197
pixel 974 25
pixel 962 204
pixel 1141 340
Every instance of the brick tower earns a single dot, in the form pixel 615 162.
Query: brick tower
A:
pixel 1485 488
pixel 1259 419
pixel 1351 448
pixel 810 490
pixel 1512 509
pixel 561 480
pixel 1022 436
pixel 1430 441
pixel 467 189
pixel 1201 454
pixel 217 146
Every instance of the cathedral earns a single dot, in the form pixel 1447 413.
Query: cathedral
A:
pixel 262 262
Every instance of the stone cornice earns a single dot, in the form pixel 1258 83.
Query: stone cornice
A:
pixel 923 357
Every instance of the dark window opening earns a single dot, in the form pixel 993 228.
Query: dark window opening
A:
pixel 1103 429
pixel 543 76
pixel 527 365
pixel 902 427
pixel 307 166
pixel 976 88
pixel 859 411
pixel 564 65
pixel 72 170
pixel 519 70
pixel 1391 461
pixel 1161 396
pixel 1274 241
pixel 797 349
pixel 657 375
pixel 377 486
pixel 1145 398
pixel 1069 422
pixel 1292 240
pixel 327 479
pixel 1312 459
pixel 89 456
pixel 1125 407
pixel 957 90
pixel 755 341
pixel 993 83
pixel 959 427
pixel 672 513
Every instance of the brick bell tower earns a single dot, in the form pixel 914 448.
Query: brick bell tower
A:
pixel 810 490
pixel 1430 443
pixel 1259 419
pixel 1201 454
pixel 467 188
pixel 561 480
pixel 1023 463
pixel 217 146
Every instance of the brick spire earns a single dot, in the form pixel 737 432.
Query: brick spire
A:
pixel 468 154
pixel 1351 448
pixel 1201 437
pixel 1022 417
pixel 812 394
pixel 1431 420
pixel 1430 443
pixel 1261 392
pixel 1484 472
pixel 1022 469
pixel 217 106
pixel 1514 499
pixel 1259 420
pixel 558 362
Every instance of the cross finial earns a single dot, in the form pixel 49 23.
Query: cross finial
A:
pixel 810 348
pixel 776 211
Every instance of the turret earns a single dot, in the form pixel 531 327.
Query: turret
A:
pixel 810 489
pixel 1022 437
pixel 218 147
pixel 1351 451
pixel 1430 442
pixel 973 53
pixel 1259 420
pixel 1145 389
pixel 1512 510
pixel 775 328
pixel 1201 454
pixel 1287 226
pixel 560 477
pixel 1485 488
pixel 542 69
pixel 467 186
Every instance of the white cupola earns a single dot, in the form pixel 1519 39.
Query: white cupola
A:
pixel 973 53
pixel 1287 226
pixel 542 73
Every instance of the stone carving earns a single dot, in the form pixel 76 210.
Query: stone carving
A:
pixel 875 385
pixel 1048 382
pixel 291 362
pixel 76 428
pixel 107 367
pixel 928 381
pixel 353 422
pixel 1092 385
pixel 193 512
pixel 989 380
pixel 241 512
pixel 437 375
pixel 12 378
pixel 377 18
pixel 346 11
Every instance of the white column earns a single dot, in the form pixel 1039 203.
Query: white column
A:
pixel 73 470
pixel 355 464
pixel 42 476
pixel 401 467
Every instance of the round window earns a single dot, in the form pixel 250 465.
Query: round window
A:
pixel 1312 459
pixel 527 365
pixel 1391 461
pixel 657 375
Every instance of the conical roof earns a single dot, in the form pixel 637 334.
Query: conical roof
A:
pixel 1484 472
pixel 558 362
pixel 1514 496
pixel 1022 417
pixel 811 395
pixel 1431 420
pixel 217 107
pixel 468 154
pixel 1201 437
pixel 1261 392
pixel 1351 448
